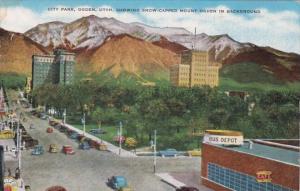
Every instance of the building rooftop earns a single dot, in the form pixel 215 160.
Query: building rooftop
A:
pixel 270 152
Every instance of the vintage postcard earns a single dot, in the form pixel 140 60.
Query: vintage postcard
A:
pixel 138 95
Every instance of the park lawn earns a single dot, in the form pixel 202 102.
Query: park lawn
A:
pixel 180 141
pixel 111 131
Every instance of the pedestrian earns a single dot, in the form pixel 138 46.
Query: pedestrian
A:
pixel 17 173
pixel 9 172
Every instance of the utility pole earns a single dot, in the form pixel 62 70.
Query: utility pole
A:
pixel 18 143
pixel 120 136
pixel 83 122
pixel 20 148
pixel 154 159
pixel 65 114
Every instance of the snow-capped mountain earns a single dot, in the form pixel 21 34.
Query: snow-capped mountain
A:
pixel 90 32
pixel 88 35
pixel 47 34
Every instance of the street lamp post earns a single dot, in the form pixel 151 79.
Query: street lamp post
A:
pixel 83 122
pixel 154 159
pixel 19 135
pixel 65 114
pixel 120 135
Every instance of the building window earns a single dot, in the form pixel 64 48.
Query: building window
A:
pixel 239 181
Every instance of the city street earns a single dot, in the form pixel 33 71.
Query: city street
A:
pixel 89 170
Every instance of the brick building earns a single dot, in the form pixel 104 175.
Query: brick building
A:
pixel 54 69
pixel 254 166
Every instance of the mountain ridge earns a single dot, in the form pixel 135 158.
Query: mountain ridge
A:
pixel 89 34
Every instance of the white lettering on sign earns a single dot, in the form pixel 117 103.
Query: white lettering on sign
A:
pixel 223 139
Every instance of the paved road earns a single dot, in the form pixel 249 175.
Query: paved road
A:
pixel 89 170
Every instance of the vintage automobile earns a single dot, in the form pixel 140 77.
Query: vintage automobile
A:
pixel 68 150
pixel 29 141
pixel 63 129
pixel 27 188
pixel 84 146
pixel 194 153
pixel 97 131
pixel 168 153
pixel 117 182
pixel 186 188
pixel 44 116
pixel 56 188
pixel 53 123
pixel 74 135
pixel 38 150
pixel 102 147
pixel 49 130
pixel 53 148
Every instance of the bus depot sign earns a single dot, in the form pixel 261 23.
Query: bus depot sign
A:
pixel 263 176
pixel 223 137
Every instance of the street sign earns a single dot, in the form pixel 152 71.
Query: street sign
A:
pixel 223 137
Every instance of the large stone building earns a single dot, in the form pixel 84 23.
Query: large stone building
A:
pixel 54 69
pixel 195 69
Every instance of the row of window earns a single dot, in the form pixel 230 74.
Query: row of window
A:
pixel 239 181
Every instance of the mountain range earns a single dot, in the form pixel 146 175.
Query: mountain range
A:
pixel 106 43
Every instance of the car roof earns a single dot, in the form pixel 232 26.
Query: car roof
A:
pixel 120 178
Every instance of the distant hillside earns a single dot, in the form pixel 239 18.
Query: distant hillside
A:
pixel 284 66
pixel 249 72
pixel 126 53
pixel 16 51
pixel 109 44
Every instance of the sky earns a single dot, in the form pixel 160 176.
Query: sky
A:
pixel 277 24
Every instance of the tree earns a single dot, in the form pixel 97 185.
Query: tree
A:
pixel 218 118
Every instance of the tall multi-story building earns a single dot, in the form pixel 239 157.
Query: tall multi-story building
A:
pixel 54 69
pixel 201 70
pixel 180 75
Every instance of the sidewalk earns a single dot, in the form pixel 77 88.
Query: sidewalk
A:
pixel 179 179
pixel 112 148
pixel 166 177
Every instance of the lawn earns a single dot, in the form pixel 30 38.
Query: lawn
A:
pixel 179 141
pixel 111 131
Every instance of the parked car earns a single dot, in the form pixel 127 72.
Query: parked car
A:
pixel 97 131
pixel 13 149
pixel 102 147
pixel 194 153
pixel 84 146
pixel 168 153
pixel 29 141
pixel 53 123
pixel 56 188
pixel 53 148
pixel 38 150
pixel 186 188
pixel 27 188
pixel 74 135
pixel 49 130
pixel 63 129
pixel 44 116
pixel 68 150
pixel 117 182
